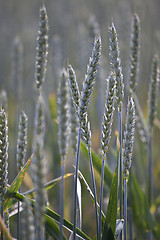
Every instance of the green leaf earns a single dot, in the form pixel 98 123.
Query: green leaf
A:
pixel 143 219
pixel 15 185
pixel 111 216
pixel 140 205
pixel 97 164
pixel 137 199
pixel 53 215
pixel 49 184
pixel 52 228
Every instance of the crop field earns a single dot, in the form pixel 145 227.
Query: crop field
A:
pixel 80 120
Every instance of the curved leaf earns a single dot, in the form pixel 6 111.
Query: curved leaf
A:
pixel 111 216
pixel 49 184
pixel 16 185
pixel 52 228
pixel 53 215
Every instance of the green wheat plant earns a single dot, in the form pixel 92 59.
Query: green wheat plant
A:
pixel 63 133
pixel 106 133
pixel 20 155
pixel 115 63
pixel 81 102
pixel 127 153
pixel 38 169
pixel 152 104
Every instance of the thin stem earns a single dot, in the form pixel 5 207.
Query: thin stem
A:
pixel 101 198
pixel 75 183
pixel 130 217
pixel 94 191
pixel 117 168
pixel 125 209
pixel 130 222
pixel 150 179
pixel 18 218
pixel 120 168
pixel 62 198
pixel 149 236
pixel 2 218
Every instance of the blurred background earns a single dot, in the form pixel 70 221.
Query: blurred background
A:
pixel 73 24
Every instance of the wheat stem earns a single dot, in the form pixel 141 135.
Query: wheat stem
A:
pixel 18 218
pixel 2 217
pixel 120 169
pixel 150 172
pixel 75 183
pixel 62 197
pixel 94 190
pixel 120 164
pixel 130 222
pixel 125 209
pixel 101 197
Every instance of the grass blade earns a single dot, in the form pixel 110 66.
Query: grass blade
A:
pixel 52 228
pixel 53 215
pixel 49 185
pixel 16 184
pixel 111 216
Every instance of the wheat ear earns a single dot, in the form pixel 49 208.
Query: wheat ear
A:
pixel 135 53
pixel 106 133
pixel 128 142
pixel 42 49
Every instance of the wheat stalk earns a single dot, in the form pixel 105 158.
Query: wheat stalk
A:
pixel 106 133
pixel 115 63
pixel 20 155
pixel 152 104
pixel 63 133
pixel 81 104
pixel 38 166
pixel 128 142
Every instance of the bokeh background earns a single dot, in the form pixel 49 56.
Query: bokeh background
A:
pixel 73 24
